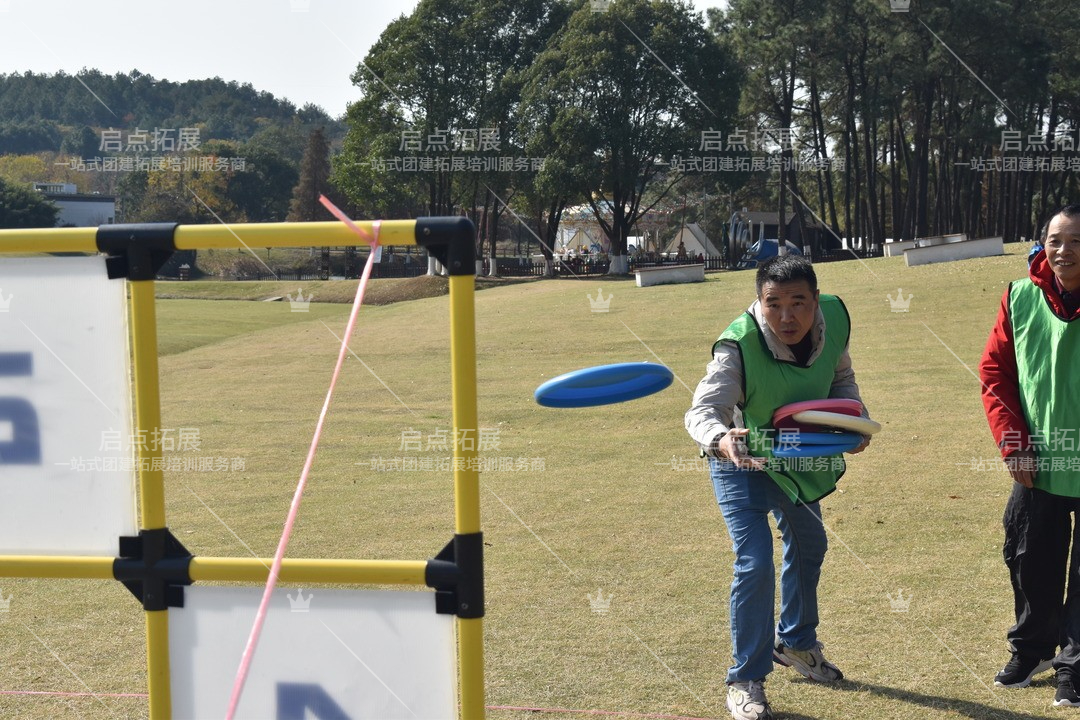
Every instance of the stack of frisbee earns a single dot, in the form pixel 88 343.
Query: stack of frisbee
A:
pixel 824 427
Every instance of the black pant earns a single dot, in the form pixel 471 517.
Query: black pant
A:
pixel 1038 531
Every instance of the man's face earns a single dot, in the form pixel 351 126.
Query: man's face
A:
pixel 1063 250
pixel 789 309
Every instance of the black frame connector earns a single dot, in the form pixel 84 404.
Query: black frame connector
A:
pixel 457 574
pixel 138 250
pixel 452 240
pixel 154 566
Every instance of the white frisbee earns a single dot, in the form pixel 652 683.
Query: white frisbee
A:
pixel 861 425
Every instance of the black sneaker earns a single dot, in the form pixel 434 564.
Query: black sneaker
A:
pixel 1018 672
pixel 1066 694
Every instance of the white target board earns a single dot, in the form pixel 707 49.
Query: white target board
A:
pixel 67 475
pixel 323 654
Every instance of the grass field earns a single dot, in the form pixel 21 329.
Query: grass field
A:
pixel 604 499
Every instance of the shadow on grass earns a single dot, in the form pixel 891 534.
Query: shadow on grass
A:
pixel 968 708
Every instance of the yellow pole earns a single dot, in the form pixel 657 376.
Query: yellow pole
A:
pixel 466 477
pixel 42 240
pixel 147 404
pixel 57 566
pixel 217 235
pixel 157 664
pixel 373 572
pixel 463 397
pixel 470 632
pixel 151 479
pixel 300 234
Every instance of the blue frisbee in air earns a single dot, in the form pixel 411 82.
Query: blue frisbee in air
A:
pixel 604 385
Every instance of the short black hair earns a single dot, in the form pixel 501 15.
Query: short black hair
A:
pixel 1068 211
pixel 785 269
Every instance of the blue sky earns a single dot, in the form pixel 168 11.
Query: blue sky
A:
pixel 304 50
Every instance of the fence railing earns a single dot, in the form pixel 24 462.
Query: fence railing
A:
pixel 572 267
pixel 378 271
pixel 841 255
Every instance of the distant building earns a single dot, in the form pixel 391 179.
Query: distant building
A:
pixel 76 209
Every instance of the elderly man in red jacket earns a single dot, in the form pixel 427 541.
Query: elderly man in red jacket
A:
pixel 1031 388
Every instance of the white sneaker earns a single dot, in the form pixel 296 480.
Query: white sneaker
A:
pixel 809 663
pixel 746 701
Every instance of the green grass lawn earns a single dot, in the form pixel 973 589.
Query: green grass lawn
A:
pixel 593 499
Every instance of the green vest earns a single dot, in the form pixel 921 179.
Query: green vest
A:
pixel 1047 349
pixel 769 383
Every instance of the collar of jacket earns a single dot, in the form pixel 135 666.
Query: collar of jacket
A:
pixel 1042 275
pixel 779 349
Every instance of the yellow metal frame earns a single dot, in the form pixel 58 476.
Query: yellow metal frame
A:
pixel 148 418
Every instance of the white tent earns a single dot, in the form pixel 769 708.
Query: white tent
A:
pixel 694 240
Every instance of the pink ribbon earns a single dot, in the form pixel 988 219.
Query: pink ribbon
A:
pixel 275 568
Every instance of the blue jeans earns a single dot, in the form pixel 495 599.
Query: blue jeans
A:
pixel 746 498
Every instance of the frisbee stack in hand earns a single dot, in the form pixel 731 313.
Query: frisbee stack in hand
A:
pixel 815 428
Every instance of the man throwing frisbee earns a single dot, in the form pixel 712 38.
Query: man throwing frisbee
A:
pixel 790 345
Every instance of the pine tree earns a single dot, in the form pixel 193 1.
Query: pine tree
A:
pixel 314 180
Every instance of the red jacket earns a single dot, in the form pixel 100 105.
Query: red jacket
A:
pixel 997 368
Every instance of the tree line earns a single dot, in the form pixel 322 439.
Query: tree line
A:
pixel 949 116
pixel 879 123
pixel 244 161
pixel 39 112
pixel 580 102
